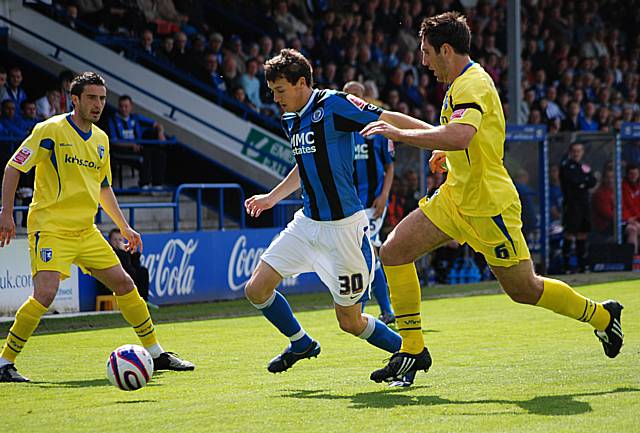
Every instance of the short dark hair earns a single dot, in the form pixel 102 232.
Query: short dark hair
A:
pixel 125 98
pixel 447 28
pixel 26 102
pixel 631 166
pixel 290 65
pixel 2 70
pixel 112 232
pixel 85 79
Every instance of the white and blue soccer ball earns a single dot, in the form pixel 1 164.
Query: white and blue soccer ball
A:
pixel 129 367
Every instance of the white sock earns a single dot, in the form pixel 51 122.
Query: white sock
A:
pixel 155 350
pixel 4 361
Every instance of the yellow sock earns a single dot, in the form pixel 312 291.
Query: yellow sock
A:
pixel 404 289
pixel 27 319
pixel 561 298
pixel 135 311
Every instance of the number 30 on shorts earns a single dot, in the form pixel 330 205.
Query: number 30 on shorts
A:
pixel 351 284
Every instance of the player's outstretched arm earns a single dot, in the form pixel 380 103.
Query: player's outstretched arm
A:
pixel 256 204
pixel 109 203
pixel 9 186
pixel 453 136
pixel 402 121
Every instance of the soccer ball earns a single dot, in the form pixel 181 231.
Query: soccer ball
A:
pixel 129 367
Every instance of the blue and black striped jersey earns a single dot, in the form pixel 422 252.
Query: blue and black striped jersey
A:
pixel 323 144
pixel 372 154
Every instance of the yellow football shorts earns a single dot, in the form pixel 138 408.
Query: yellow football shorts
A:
pixel 499 238
pixel 56 252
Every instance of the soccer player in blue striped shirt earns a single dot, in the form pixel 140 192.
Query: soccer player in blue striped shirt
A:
pixel 329 235
pixel 373 175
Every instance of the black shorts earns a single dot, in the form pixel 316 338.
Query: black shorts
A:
pixel 576 218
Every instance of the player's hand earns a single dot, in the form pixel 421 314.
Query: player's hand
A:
pixel 437 161
pixel 379 203
pixel 134 241
pixel 258 203
pixel 382 128
pixel 7 228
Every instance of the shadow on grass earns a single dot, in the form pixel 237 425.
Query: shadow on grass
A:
pixel 89 383
pixel 393 397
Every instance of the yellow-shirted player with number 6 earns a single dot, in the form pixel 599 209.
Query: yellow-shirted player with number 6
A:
pixel 478 204
pixel 71 158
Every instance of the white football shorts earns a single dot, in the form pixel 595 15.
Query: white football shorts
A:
pixel 375 225
pixel 339 252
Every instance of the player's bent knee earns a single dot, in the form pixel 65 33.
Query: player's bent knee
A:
pixel 527 292
pixel 45 294
pixel 351 326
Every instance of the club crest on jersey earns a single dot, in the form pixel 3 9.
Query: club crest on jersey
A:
pixel 46 254
pixel 100 150
pixel 359 103
pixel 458 113
pixel 317 115
pixel 21 157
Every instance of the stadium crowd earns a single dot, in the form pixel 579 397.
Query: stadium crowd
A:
pixel 580 59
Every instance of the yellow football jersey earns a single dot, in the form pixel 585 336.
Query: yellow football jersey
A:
pixel 477 180
pixel 71 166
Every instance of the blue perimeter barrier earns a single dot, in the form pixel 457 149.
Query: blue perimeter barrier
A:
pixel 186 267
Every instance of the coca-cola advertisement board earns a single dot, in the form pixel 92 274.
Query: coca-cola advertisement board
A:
pixel 206 266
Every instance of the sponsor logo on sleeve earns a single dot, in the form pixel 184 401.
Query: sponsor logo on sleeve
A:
pixel 359 103
pixel 458 113
pixel 22 156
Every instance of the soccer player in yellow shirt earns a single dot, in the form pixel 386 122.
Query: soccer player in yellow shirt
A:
pixel 71 157
pixel 478 204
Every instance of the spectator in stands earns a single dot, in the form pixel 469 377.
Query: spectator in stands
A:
pixel 587 121
pixel 180 56
pixel 240 95
pixel 215 46
pixel 288 24
pixel 555 195
pixel 236 51
pixel 13 88
pixel 3 83
pixel 396 205
pixel 49 104
pixel 602 201
pixel 131 264
pixel 230 72
pixel 163 14
pixel 146 42
pixel 371 94
pixel 553 110
pixel 529 210
pixel 407 38
pixel 64 79
pixel 126 125
pixel 572 121
pixel 165 53
pixel 576 179
pixel 210 74
pixel 631 204
pixel 28 117
pixel 10 121
pixel 413 195
pixel 251 84
pixel 266 47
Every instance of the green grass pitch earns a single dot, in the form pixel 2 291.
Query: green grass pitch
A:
pixel 498 367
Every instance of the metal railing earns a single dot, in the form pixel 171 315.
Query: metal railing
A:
pixel 175 204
